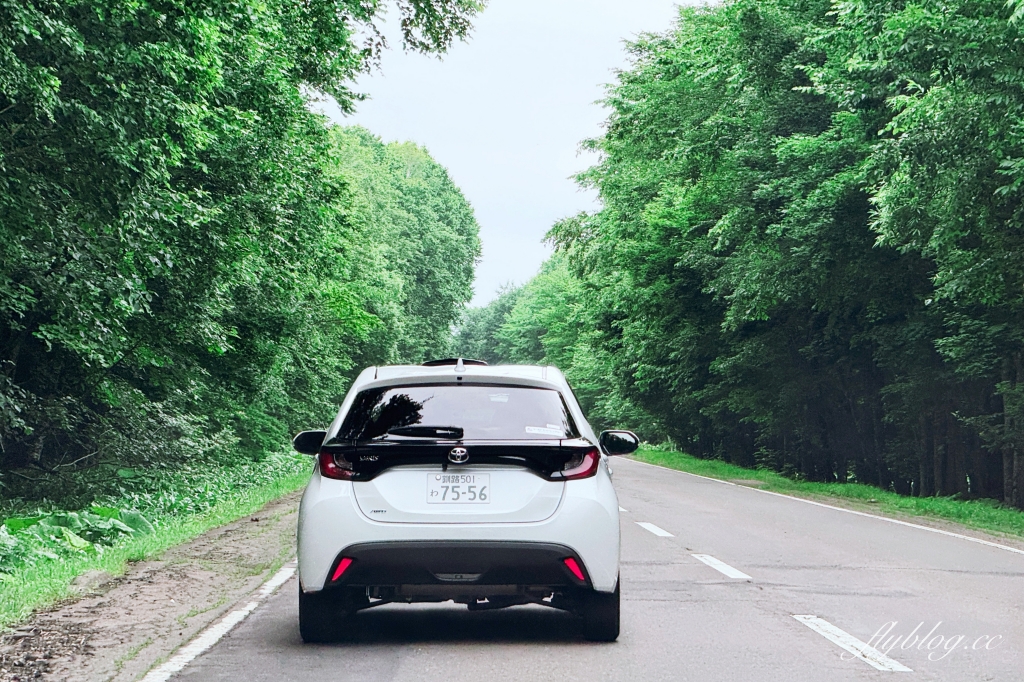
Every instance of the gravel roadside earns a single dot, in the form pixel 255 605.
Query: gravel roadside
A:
pixel 121 627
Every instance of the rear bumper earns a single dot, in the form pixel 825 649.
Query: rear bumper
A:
pixel 452 566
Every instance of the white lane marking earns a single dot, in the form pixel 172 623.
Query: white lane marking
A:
pixel 660 532
pixel 623 510
pixel 211 635
pixel 721 567
pixel 870 655
pixel 278 579
pixel 918 526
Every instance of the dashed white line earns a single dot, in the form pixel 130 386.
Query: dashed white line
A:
pixel 841 509
pixel 623 510
pixel 211 635
pixel 721 567
pixel 660 532
pixel 865 652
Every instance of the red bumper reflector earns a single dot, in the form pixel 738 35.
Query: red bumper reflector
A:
pixel 342 566
pixel 571 564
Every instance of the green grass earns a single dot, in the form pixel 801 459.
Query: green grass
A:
pixel 38 586
pixel 987 515
pixel 132 653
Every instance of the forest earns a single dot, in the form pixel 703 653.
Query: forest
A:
pixel 194 264
pixel 808 256
pixel 808 253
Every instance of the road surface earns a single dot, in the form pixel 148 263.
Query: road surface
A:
pixel 719 582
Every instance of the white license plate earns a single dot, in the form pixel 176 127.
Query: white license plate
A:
pixel 451 488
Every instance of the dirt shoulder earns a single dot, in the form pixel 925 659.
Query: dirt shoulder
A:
pixel 121 627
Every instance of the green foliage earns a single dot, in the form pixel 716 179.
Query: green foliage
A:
pixel 809 252
pixel 546 322
pixel 192 264
pixel 541 327
pixel 476 335
pixel 414 261
pixel 40 583
pixel 143 504
pixel 25 541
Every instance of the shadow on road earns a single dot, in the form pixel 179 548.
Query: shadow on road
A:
pixel 452 623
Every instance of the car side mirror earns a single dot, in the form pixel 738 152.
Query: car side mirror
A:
pixel 619 442
pixel 309 442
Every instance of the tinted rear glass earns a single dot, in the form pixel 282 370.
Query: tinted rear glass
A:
pixel 483 412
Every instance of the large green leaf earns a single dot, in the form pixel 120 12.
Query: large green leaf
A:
pixel 136 521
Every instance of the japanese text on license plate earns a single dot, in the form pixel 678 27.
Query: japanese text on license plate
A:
pixel 451 488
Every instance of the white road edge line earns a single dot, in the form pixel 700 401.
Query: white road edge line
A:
pixel 213 634
pixel 722 567
pixel 847 511
pixel 870 655
pixel 623 510
pixel 660 532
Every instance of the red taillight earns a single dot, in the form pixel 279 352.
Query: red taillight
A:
pixel 342 567
pixel 585 467
pixel 571 564
pixel 335 466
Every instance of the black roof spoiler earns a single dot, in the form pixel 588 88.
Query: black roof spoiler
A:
pixel 453 361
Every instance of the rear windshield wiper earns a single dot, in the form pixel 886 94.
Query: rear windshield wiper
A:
pixel 420 431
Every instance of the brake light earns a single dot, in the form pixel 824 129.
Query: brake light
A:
pixel 582 467
pixel 335 466
pixel 342 567
pixel 571 564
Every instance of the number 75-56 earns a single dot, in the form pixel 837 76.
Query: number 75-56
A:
pixel 472 493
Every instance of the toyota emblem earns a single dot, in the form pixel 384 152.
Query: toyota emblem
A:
pixel 458 456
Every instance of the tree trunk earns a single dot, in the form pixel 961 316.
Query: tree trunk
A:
pixel 925 487
pixel 958 465
pixel 1008 496
pixel 939 457
pixel 1011 410
pixel 1018 480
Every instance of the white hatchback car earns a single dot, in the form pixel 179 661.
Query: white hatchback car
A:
pixel 458 481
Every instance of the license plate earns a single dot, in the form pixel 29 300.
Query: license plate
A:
pixel 458 488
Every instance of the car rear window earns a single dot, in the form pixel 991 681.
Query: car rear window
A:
pixel 483 412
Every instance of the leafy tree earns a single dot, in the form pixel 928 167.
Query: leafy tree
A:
pixel 178 232
pixel 546 322
pixel 476 334
pixel 419 237
pixel 808 252
pixel 946 180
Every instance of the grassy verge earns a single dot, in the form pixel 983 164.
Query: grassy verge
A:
pixel 986 515
pixel 40 585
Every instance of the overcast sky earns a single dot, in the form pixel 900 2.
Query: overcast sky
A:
pixel 506 111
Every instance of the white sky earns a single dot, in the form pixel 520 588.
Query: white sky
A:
pixel 505 114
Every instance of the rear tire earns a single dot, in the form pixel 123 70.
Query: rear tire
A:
pixel 601 616
pixel 323 615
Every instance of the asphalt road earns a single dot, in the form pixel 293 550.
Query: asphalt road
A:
pixel 684 619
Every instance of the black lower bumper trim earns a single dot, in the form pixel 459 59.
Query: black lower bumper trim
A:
pixel 455 563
